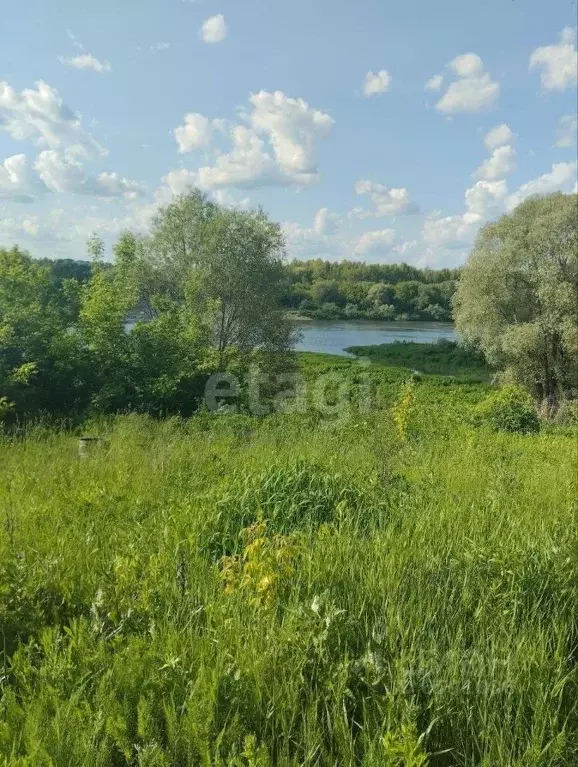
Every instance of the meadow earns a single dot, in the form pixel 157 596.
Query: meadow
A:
pixel 395 588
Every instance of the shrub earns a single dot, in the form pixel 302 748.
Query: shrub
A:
pixel 508 409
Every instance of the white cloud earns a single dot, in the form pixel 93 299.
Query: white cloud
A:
pixel 41 116
pixel 501 162
pixel 376 82
pixel 498 136
pixel 214 29
pixel 247 165
pixel 473 91
pixel 486 197
pixel 558 63
pixel 434 83
pixel 86 61
pixel 325 222
pixel 197 132
pixel 467 65
pixel 561 178
pixel 387 202
pixel 293 128
pixel 17 181
pixel 372 243
pixel 66 175
pixel 277 146
pixel 566 133
pixel 451 231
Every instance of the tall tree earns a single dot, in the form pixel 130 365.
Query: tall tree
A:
pixel 517 299
pixel 228 261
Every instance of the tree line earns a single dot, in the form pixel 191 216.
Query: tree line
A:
pixel 351 290
pixel 347 290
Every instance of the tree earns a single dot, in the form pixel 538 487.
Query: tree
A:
pixel 517 299
pixel 226 261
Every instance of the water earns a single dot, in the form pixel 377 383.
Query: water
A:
pixel 333 336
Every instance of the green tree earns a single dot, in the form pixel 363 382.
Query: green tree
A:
pixel 517 296
pixel 226 261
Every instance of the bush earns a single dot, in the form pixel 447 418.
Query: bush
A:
pixel 508 409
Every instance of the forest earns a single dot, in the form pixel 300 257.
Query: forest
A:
pixel 350 290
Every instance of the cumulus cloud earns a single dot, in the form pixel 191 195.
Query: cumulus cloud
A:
pixel 566 133
pixel 246 165
pixel 486 197
pixel 376 242
pixel 562 178
pixel 376 82
pixel 434 83
pixel 17 180
pixel 276 145
pixel 325 222
pixel 501 162
pixel 498 136
pixel 39 114
pixel 472 91
pixel 451 231
pixel 66 175
pixel 214 29
pixel 293 128
pixel 386 201
pixel 558 64
pixel 86 61
pixel 197 132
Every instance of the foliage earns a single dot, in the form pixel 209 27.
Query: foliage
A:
pixel 263 568
pixel 510 408
pixel 517 299
pixel 201 294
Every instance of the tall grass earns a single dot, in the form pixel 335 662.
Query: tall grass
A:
pixel 393 600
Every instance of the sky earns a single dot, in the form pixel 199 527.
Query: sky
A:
pixel 374 130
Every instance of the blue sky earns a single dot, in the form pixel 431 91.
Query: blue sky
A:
pixel 378 131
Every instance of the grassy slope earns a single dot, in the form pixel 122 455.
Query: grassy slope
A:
pixel 421 586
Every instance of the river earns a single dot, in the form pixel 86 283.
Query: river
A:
pixel 333 336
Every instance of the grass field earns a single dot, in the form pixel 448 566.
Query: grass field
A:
pixel 396 588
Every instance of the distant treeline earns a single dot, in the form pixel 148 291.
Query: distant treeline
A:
pixel 345 290
pixel 354 290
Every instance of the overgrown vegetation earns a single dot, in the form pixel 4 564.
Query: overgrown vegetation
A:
pixel 442 358
pixel 228 590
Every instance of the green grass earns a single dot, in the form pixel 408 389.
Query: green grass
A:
pixel 409 602
pixel 442 358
